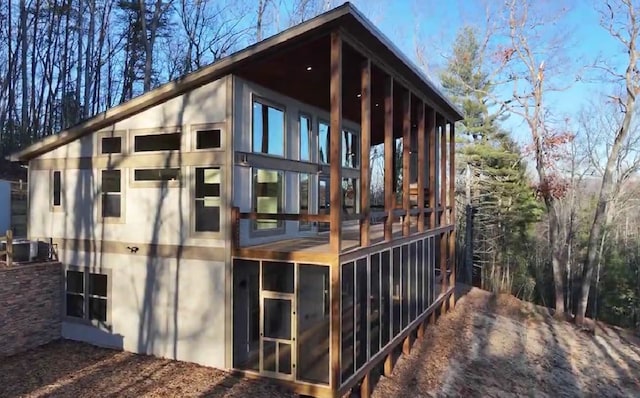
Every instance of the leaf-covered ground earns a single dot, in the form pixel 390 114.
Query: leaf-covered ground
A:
pixel 498 346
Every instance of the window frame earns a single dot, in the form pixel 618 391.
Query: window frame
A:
pixel 192 202
pixel 318 146
pixel 356 138
pixel 310 137
pixel 133 183
pixel 58 207
pixel 302 225
pixel 281 224
pixel 193 131
pixel 123 207
pixel 85 320
pixel 122 134
pixel 133 133
pixel 278 106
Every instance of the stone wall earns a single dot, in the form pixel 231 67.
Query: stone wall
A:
pixel 30 306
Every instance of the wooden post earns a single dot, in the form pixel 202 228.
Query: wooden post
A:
pixel 365 145
pixel 389 199
pixel 335 167
pixel 406 345
pixel 421 165
pixel 433 188
pixel 9 247
pixel 452 213
pixel 365 386
pixel 444 238
pixel 432 318
pixel 406 160
pixel 421 330
pixel 388 365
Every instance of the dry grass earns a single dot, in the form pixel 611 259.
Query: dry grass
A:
pixel 498 346
pixel 71 369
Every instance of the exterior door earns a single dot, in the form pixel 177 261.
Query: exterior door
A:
pixel 277 348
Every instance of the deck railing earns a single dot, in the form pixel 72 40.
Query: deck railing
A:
pixel 8 250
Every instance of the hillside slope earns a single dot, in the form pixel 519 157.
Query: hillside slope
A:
pixel 499 346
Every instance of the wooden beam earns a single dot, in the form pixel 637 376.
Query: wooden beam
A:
pixel 452 214
pixel 365 386
pixel 388 365
pixel 365 146
pixel 421 165
pixel 443 170
pixel 335 176
pixel 389 199
pixel 421 330
pixel 406 160
pixel 406 345
pixel 431 132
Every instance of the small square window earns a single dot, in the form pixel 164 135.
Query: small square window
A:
pixel 98 285
pixel 75 305
pixel 75 282
pixel 208 139
pixel 111 145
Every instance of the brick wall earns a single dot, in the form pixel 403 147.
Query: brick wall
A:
pixel 30 306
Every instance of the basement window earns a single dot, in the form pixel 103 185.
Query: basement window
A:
pixel 111 194
pixel 157 142
pixel 207 199
pixel 86 295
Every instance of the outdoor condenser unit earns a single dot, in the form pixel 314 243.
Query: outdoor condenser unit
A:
pixel 25 250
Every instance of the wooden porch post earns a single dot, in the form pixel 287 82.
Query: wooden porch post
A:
pixel 335 176
pixel 444 254
pixel 421 165
pixel 365 145
pixel 389 200
pixel 433 187
pixel 406 160
pixel 452 214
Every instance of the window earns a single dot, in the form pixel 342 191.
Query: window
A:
pixel 350 195
pixel 57 188
pixel 207 199
pixel 305 141
pixel 157 142
pixel 350 152
pixel 156 174
pixel 86 295
pixel 111 194
pixel 323 142
pixel 268 129
pixel 268 196
pixel 111 145
pixel 304 198
pixel 208 139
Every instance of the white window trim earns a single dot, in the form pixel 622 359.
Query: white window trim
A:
pixel 193 132
pixel 123 191
pixel 85 280
pixel 281 107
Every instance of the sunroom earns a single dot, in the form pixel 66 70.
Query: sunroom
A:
pixel 343 216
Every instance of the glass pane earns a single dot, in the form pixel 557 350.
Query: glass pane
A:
pixel 57 183
pixel 405 285
pixel 75 282
pixel 323 196
pixel 350 197
pixel 284 358
pixel 98 309
pixel 350 150
pixel 277 318
pixel 323 142
pixel 305 144
pixel 385 298
pixel 277 276
pixel 348 332
pixel 268 196
pixel 313 324
pixel 207 216
pixel 396 292
pixel 111 145
pixel 75 305
pixel 269 356
pixel 304 193
pixel 246 314
pixel 157 142
pixel 110 180
pixel 208 182
pixel 156 174
pixel 268 129
pixel 110 205
pixel 361 312
pixel 206 139
pixel 374 302
pixel 98 285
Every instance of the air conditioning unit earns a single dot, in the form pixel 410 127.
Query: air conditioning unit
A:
pixel 25 250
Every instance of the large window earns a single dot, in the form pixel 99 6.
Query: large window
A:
pixel 323 142
pixel 57 188
pixel 207 199
pixel 86 295
pixel 111 194
pixel 268 129
pixel 268 196
pixel 305 137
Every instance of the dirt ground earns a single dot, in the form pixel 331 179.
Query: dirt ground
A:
pixel 487 347
pixel 501 347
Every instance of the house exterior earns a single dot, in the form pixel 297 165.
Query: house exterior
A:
pixel 227 218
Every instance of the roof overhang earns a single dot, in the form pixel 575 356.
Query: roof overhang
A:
pixel 347 18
